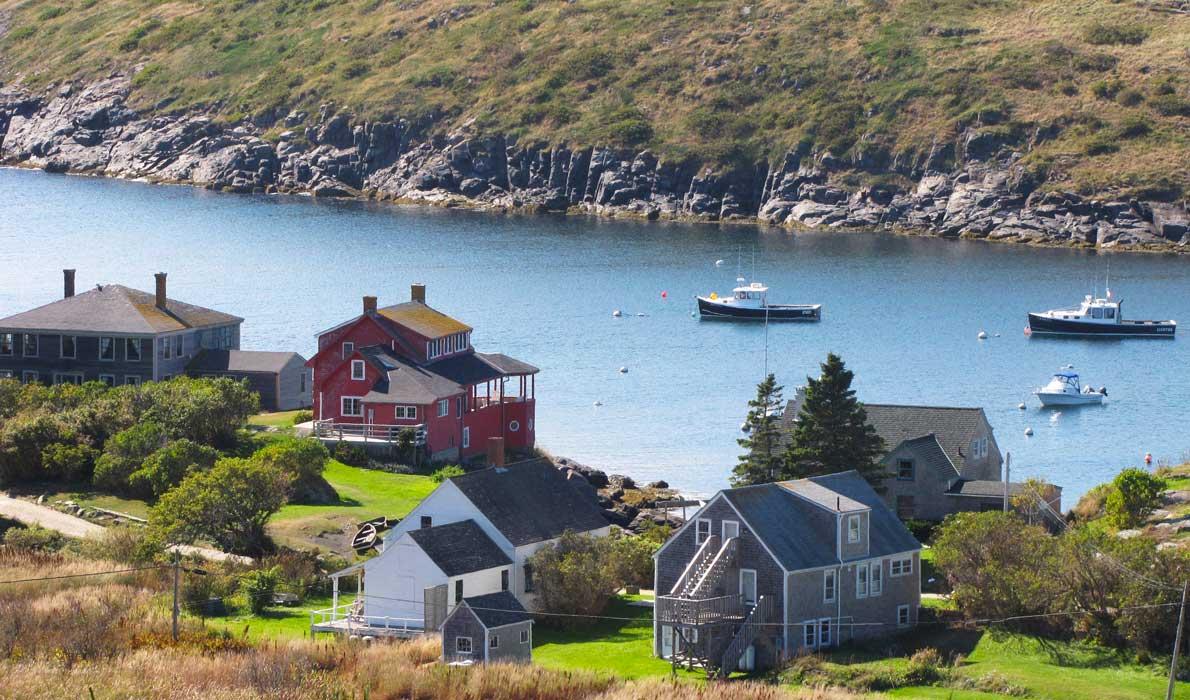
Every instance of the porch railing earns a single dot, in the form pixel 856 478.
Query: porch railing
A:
pixel 343 617
pixel 703 611
pixel 749 632
pixel 378 432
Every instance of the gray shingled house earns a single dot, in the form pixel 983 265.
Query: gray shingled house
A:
pixel 763 572
pixel 488 628
pixel 113 334
pixel 281 378
pixel 940 459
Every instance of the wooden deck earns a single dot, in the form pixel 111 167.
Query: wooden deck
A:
pixel 341 620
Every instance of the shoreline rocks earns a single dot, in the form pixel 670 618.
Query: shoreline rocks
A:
pixel 623 503
pixel 975 189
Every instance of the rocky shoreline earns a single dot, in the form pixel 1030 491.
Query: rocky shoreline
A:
pixel 972 188
pixel 626 504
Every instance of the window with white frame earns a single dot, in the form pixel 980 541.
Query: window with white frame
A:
pixel 852 529
pixel 824 632
pixel 901 567
pixel 75 378
pixel 748 586
pixel 7 343
pixel 132 380
pixel 524 636
pixel 459 407
pixel 348 350
pixel 109 379
pixel 462 645
pixel 5 374
pixel 702 530
pixel 494 641
pixel 357 370
pixel 165 345
pixel 443 408
pixel 902 615
pixel 132 349
pixel 876 578
pixel 458 591
pixel 407 412
pixel 810 634
pixel 861 582
pixel 731 528
pixel 107 348
pixel 352 406
pixel 466 437
pixel 829 586
pixel 69 348
pixel 29 345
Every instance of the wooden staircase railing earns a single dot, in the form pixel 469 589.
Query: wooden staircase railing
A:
pixel 714 571
pixel 694 569
pixel 751 629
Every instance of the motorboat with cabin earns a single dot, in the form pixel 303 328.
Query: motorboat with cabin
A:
pixel 1096 317
pixel 749 302
pixel 1064 390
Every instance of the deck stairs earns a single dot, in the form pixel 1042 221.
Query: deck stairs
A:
pixel 753 626
pixel 706 571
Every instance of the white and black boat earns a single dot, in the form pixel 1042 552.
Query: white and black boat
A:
pixel 749 302
pixel 1097 317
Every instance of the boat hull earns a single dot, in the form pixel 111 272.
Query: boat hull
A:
pixel 778 312
pixel 1060 399
pixel 1044 325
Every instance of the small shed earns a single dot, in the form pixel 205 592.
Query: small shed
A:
pixel 488 628
pixel 281 378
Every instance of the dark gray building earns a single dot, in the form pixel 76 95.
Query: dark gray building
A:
pixel 281 378
pixel 111 333
pixel 488 628
pixel 761 573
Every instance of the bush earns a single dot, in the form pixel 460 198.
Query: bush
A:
pixel 1130 98
pixel 1134 126
pixel 125 453
pixel 304 458
pixel 925 667
pixel 448 472
pixel 1135 494
pixel 575 576
pixel 35 538
pixel 165 468
pixel 303 417
pixel 1107 89
pixel 68 462
pixel 258 588
pixel 633 558
pixel 1102 33
pixel 1170 105
pixel 351 455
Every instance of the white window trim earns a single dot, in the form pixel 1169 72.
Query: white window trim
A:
pixel 59 376
pixel 514 426
pixel 132 343
pixel 466 437
pixel 810 626
pixel 861 572
pixel 699 538
pixel 908 617
pixel 343 406
pixel 875 578
pixel 347 349
pixel 62 347
pixel 25 346
pixel 853 519
pixel 494 641
pixel 905 564
pixel 134 377
pixel 363 372
pixel 12 344
pixel 526 636
pixel 824 640
pixel 112 377
pixel 5 374
pixel 755 585
pixel 99 349
pixel 832 575
pixel 723 529
pixel 30 375
pixel 470 646
pixel 443 408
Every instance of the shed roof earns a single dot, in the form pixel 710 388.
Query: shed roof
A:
pixel 460 548
pixel 423 320
pixel 475 367
pixel 258 361
pixel 114 308
pixel 497 609
pixel 530 501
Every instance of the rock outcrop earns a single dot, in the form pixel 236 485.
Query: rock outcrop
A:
pixel 973 188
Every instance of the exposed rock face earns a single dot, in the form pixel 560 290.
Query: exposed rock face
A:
pixel 971 188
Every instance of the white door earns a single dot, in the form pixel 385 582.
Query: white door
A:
pixel 748 586
pixel 748 660
pixel 667 641
pixel 731 529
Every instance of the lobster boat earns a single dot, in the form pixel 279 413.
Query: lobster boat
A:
pixel 749 302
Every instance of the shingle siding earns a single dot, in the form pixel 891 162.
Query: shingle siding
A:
pixel 929 484
pixel 463 623
pixel 511 649
pixel 49 361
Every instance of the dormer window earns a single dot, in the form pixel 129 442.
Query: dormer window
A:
pixel 357 370
pixel 348 349
pixel 852 529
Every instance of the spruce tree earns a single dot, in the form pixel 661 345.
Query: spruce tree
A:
pixel 762 460
pixel 832 433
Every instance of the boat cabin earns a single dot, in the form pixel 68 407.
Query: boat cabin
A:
pixel 1093 310
pixel 1063 382
pixel 749 295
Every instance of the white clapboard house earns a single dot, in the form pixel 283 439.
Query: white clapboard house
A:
pixel 471 537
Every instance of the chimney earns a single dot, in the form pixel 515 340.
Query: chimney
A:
pixel 67 284
pixel 369 305
pixel 417 292
pixel 160 277
pixel 496 451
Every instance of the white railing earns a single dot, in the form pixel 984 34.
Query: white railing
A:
pixel 367 431
pixel 343 617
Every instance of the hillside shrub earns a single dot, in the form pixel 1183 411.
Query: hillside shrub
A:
pixel 35 538
pixel 166 467
pixel 1170 105
pixel 125 453
pixel 303 417
pixel 633 557
pixel 258 587
pixel 576 575
pixel 1104 33
pixel 351 455
pixel 1135 494
pixel 450 471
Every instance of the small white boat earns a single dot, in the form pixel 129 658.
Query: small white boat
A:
pixel 1064 390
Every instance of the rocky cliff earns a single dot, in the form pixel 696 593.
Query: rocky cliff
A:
pixel 986 194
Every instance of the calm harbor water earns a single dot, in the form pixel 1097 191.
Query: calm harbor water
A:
pixel 903 312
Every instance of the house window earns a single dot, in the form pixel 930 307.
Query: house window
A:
pixel 30 345
pixel 905 508
pixel 348 350
pixel 68 378
pixel 494 642
pixel 748 586
pixel 107 349
pixel 466 437
pixel 504 580
pixel 810 634
pixel 30 377
pixel 876 578
pixel 702 530
pixel 902 567
pixel 7 343
pixel 852 529
pixel 132 380
pixel 524 636
pixel 902 615
pixel 357 369
pixel 302 381
pixel 109 379
pixel 5 374
pixel 824 632
pixel 528 578
pixel 69 349
pixel 165 345
pixel 352 406
pixel 444 408
pixel 829 586
pixel 458 591
pixel 132 349
pixel 427 522
pixel 731 528
pixel 409 412
pixel 462 645
pixel 459 407
pixel 905 469
pixel 861 581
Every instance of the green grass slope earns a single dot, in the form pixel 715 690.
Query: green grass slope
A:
pixel 1102 85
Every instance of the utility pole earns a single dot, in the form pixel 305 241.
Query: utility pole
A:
pixel 177 571
pixel 1177 644
pixel 1007 474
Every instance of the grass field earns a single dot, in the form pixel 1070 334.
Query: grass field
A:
pixel 275 623
pixel 280 419
pixel 363 494
pixel 85 496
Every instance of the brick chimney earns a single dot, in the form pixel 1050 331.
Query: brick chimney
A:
pixel 67 284
pixel 417 292
pixel 496 451
pixel 160 277
pixel 369 305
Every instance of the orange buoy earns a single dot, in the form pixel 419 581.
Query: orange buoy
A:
pixel 1148 459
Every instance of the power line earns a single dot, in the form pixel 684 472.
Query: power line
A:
pixel 94 573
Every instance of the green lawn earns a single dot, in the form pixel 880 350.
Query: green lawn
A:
pixel 280 419
pixel 274 623
pixel 363 494
pixel 621 648
pixel 84 495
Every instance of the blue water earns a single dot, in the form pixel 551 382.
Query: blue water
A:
pixel 903 312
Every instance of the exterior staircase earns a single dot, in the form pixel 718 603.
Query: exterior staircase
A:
pixel 749 631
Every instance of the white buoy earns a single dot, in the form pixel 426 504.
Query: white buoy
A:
pixel 1021 405
pixel 623 370
pixel 1028 432
pixel 982 335
pixel 719 263
pixel 598 403
pixel 640 313
pixel 995 335
pixel 693 315
pixel 616 313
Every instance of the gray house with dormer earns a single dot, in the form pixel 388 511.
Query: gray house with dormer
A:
pixel 762 573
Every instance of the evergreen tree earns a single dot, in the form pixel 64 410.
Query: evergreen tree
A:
pixel 762 460
pixel 832 433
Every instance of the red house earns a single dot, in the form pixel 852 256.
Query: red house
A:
pixel 408 365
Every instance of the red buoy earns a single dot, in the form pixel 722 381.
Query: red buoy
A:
pixel 664 294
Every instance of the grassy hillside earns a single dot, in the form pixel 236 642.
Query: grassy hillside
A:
pixel 708 80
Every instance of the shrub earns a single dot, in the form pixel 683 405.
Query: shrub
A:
pixel 165 468
pixel 633 560
pixel 124 544
pixel 303 417
pixel 68 462
pixel 132 39
pixel 1107 89
pixel 1130 98
pixel 48 13
pixel 1102 33
pixel 1170 105
pixel 125 453
pixel 304 458
pixel 349 454
pixel 448 472
pixel 1135 494
pixel 35 538
pixel 925 667
pixel 258 587
pixel 575 576
pixel 1134 126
